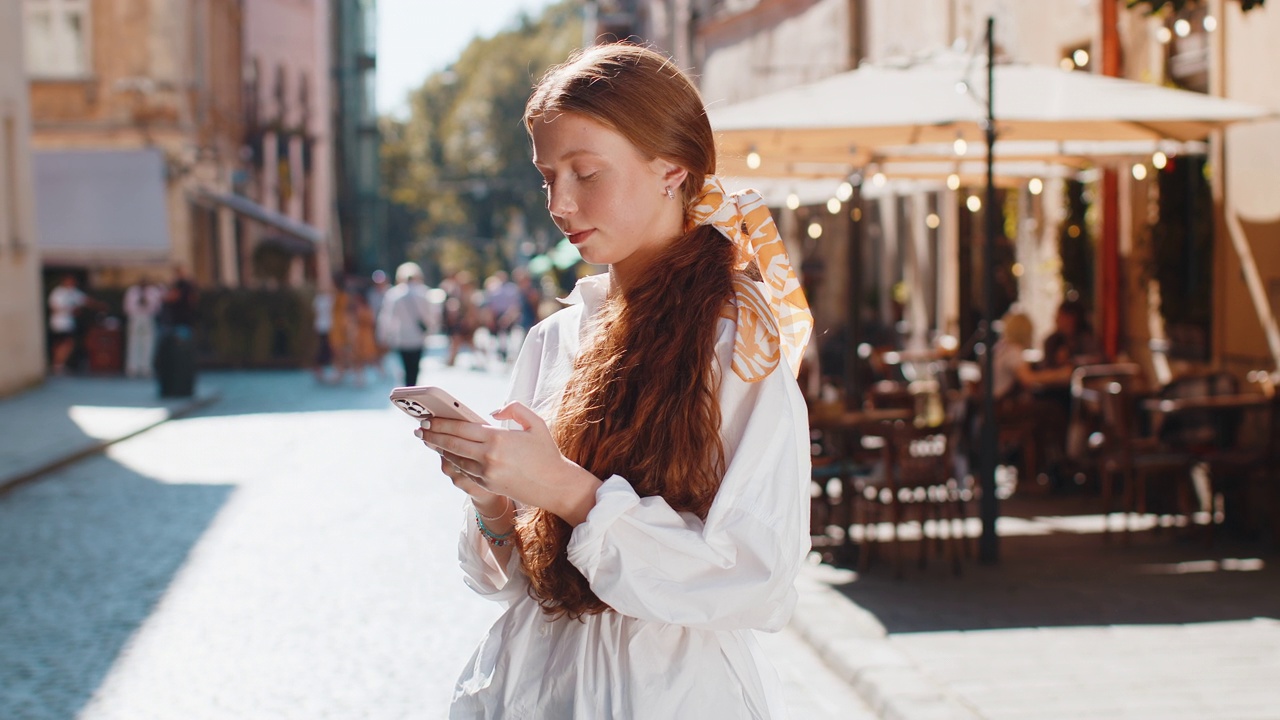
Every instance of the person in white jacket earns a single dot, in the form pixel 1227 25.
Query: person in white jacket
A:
pixel 644 511
pixel 142 303
pixel 406 319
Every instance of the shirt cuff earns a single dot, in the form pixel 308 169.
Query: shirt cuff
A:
pixel 614 498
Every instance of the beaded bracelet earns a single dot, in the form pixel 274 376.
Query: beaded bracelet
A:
pixel 489 536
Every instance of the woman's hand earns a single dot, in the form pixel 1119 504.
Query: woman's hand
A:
pixel 522 464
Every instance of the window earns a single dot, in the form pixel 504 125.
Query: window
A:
pixel 57 38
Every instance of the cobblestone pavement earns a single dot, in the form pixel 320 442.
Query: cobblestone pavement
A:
pixel 287 552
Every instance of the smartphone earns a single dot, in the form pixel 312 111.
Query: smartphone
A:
pixel 423 402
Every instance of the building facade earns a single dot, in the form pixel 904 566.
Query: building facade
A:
pixel 361 210
pixel 153 120
pixel 21 301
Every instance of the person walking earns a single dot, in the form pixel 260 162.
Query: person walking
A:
pixel 142 303
pixel 322 314
pixel 406 318
pixel 645 509
pixel 65 303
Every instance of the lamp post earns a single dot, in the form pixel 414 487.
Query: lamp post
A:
pixel 989 544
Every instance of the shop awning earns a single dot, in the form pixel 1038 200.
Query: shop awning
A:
pixel 252 210
pixel 97 206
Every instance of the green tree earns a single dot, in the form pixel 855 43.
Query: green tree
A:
pixel 462 190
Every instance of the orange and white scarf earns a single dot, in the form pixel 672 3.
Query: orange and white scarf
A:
pixel 771 324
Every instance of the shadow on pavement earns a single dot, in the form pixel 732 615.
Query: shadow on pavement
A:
pixel 87 554
pixel 1064 578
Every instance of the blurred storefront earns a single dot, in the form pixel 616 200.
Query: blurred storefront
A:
pixel 143 120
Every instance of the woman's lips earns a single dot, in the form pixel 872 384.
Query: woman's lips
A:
pixel 577 238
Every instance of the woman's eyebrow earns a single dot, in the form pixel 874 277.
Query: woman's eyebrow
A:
pixel 569 156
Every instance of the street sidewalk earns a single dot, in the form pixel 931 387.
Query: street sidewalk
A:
pixel 1065 626
pixel 70 417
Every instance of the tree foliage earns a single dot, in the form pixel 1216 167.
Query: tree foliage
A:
pixel 1155 6
pixel 463 192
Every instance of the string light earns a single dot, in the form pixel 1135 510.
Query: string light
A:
pixel 1035 186
pixel 833 206
pixel 1139 171
pixel 878 179
pixel 845 191
pixel 815 230
pixel 1182 27
pixel 1159 160
pixel 973 203
pixel 753 160
pixel 932 221
pixel 793 201
pixel 953 181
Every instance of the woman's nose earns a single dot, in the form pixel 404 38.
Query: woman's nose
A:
pixel 559 202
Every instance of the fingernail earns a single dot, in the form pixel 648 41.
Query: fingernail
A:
pixel 418 433
pixel 426 424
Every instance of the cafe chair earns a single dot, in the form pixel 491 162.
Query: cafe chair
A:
pixel 1207 420
pixel 1106 434
pixel 916 479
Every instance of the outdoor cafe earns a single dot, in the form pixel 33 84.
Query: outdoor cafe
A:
pixel 887 195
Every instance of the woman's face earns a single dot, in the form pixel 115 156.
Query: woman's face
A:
pixel 607 198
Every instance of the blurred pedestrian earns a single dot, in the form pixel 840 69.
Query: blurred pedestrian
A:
pixel 462 314
pixel 322 322
pixel 406 319
pixel 142 304
pixel 65 303
pixel 502 305
pixel 375 295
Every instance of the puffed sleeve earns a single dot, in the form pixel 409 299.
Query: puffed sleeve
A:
pixel 481 570
pixel 736 570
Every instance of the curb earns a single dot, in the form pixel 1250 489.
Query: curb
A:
pixel 9 483
pixel 853 643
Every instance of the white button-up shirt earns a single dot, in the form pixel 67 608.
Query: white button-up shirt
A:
pixel 686 595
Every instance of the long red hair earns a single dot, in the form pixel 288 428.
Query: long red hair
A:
pixel 643 399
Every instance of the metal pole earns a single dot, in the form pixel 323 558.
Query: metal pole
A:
pixel 989 544
pixel 853 325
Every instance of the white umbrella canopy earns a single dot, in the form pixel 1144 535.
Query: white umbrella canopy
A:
pixel 853 116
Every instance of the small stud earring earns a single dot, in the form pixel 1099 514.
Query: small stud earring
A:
pixel 670 195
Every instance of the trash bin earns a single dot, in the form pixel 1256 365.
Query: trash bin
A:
pixel 176 363
pixel 104 345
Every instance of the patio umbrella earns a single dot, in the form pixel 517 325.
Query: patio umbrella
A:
pixel 857 116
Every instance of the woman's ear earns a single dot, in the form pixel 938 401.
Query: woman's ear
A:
pixel 676 175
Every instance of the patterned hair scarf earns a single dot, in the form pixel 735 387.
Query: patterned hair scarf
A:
pixel 773 323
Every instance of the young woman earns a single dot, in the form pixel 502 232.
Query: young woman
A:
pixel 646 508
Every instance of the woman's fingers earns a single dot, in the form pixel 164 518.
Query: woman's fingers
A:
pixel 522 415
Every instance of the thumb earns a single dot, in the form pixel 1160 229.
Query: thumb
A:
pixel 520 414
